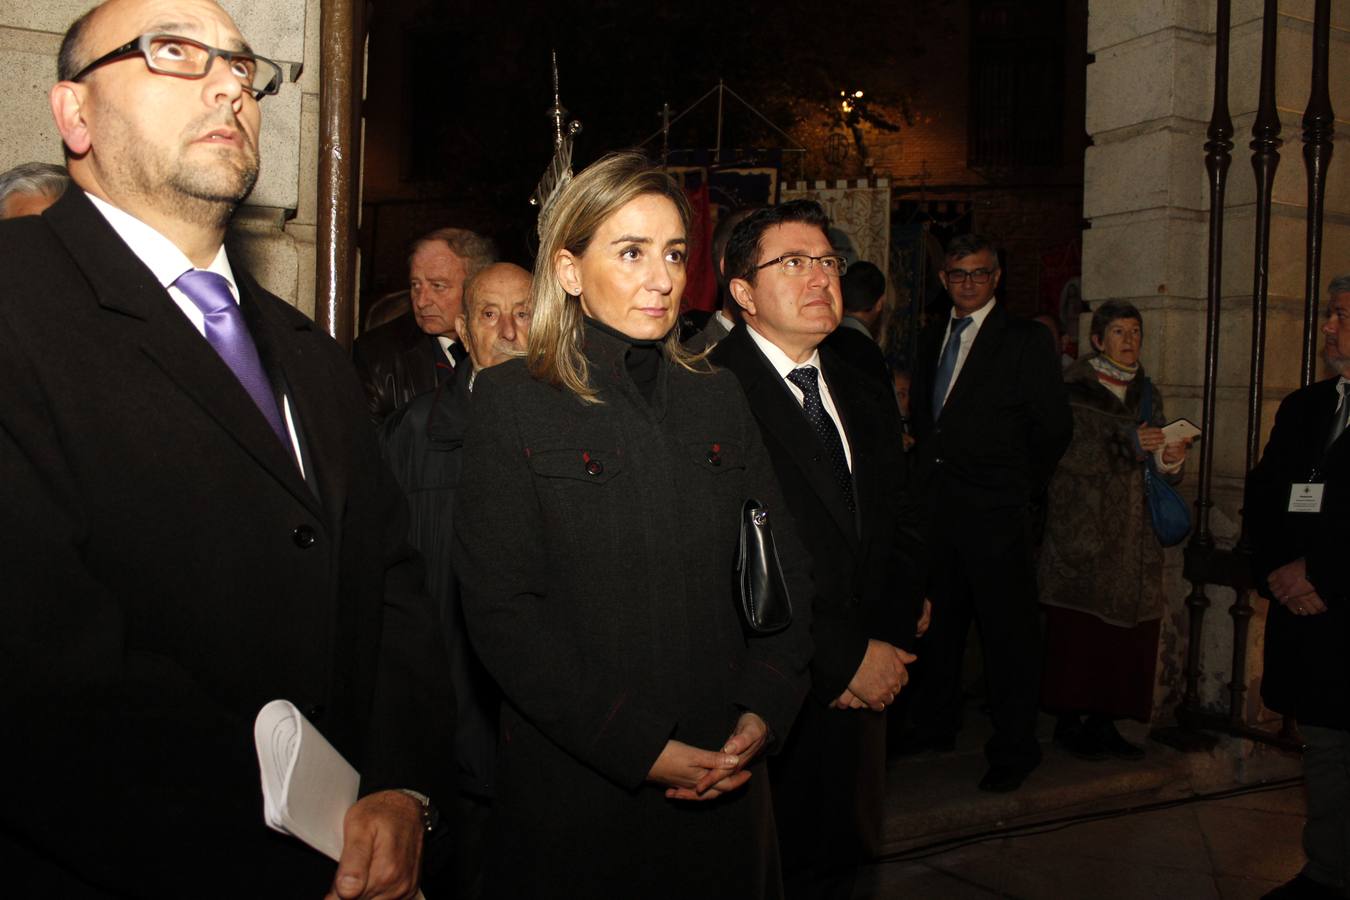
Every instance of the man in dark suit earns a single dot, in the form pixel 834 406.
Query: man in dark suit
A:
pixel 724 319
pixel 834 439
pixel 864 292
pixel 1297 514
pixel 992 420
pixel 422 444
pixel 196 517
pixel 415 352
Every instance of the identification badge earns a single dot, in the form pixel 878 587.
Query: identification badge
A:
pixel 1306 498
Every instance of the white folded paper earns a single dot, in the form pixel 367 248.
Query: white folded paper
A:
pixel 307 785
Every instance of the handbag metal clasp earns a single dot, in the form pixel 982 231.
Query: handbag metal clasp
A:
pixel 760 516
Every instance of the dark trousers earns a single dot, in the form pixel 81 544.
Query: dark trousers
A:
pixel 983 570
pixel 828 792
pixel 1326 833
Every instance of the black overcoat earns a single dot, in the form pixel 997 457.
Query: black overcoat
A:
pixel 1307 658
pixel 594 545
pixel 167 571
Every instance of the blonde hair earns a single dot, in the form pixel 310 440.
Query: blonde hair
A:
pixel 554 350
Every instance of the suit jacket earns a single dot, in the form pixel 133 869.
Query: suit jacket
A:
pixel 168 571
pixel 1004 427
pixel 396 362
pixel 859 350
pixel 706 337
pixel 866 566
pixel 1307 673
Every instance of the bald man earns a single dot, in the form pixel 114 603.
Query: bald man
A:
pixel 421 442
pixel 196 517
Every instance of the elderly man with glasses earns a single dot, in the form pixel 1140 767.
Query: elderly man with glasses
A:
pixel 196 517
pixel 992 420
pixel 833 435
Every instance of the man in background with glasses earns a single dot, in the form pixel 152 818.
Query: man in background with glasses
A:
pixel 833 435
pixel 992 420
pixel 196 519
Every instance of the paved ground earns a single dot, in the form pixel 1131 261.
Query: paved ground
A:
pixel 1234 848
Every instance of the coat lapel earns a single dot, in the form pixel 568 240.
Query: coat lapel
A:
pixel 779 413
pixel 123 286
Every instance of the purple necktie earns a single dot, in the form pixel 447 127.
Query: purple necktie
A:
pixel 229 337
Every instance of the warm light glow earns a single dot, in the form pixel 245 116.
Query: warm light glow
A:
pixel 858 94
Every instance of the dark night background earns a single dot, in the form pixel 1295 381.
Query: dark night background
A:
pixel 975 104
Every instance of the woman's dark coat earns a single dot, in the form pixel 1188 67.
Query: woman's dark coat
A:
pixel 595 545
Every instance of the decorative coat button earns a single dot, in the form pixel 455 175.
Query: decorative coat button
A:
pixel 594 467
pixel 304 537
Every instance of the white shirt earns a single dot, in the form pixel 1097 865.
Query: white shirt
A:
pixel 166 262
pixel 784 366
pixel 967 340
pixel 724 321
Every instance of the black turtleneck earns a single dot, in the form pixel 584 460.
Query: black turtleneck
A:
pixel 642 359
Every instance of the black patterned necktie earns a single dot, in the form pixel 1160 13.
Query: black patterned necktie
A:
pixel 806 378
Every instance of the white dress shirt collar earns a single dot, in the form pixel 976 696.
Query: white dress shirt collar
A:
pixel 724 320
pixel 780 361
pixel 976 320
pixel 160 255
pixel 784 365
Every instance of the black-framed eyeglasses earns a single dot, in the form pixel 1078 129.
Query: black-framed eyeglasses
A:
pixel 800 264
pixel 978 276
pixel 169 54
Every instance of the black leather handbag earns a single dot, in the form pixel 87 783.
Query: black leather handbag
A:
pixel 766 606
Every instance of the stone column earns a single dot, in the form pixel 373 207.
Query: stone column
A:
pixel 1149 97
pixel 274 232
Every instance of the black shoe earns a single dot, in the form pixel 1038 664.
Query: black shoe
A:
pixel 1104 732
pixel 913 743
pixel 1081 743
pixel 1003 779
pixel 1301 887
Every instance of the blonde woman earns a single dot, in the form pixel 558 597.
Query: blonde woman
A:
pixel 596 526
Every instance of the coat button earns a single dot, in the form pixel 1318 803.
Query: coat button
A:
pixel 594 467
pixel 304 537
pixel 938 460
pixel 714 458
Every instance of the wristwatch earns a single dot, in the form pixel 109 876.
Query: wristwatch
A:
pixel 431 816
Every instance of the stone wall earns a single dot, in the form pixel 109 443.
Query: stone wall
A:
pixel 1149 99
pixel 274 233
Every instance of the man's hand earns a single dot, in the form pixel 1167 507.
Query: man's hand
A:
pixel 1290 585
pixel 1290 580
pixel 881 674
pixel 925 618
pixel 682 768
pixel 381 849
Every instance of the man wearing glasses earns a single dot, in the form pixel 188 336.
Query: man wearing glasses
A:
pixel 196 520
pixel 992 420
pixel 834 438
